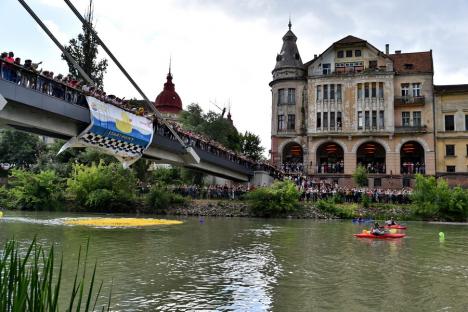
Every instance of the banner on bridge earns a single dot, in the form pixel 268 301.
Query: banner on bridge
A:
pixel 114 131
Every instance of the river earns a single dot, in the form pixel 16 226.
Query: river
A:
pixel 246 264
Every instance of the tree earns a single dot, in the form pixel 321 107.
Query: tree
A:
pixel 84 49
pixel 251 146
pixel 360 176
pixel 19 149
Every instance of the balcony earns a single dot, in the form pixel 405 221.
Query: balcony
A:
pixel 409 100
pixel 411 129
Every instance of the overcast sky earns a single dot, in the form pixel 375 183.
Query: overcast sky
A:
pixel 224 50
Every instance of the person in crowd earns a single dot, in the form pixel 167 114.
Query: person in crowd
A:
pixel 377 229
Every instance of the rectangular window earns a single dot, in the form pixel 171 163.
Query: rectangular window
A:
pixel 374 90
pixel 449 123
pixel 373 64
pixel 416 89
pixel 340 54
pixel 357 53
pixel 381 91
pixel 366 90
pixel 338 92
pixel 377 182
pixel 332 92
pixel 325 92
pixel 349 53
pixel 280 122
pixel 381 120
pixel 367 119
pixel 291 122
pixel 359 90
pixel 281 96
pixel 466 149
pixel 319 120
pixel 326 69
pixel 404 89
pixel 319 93
pixel 338 120
pixel 325 120
pixel 449 150
pixel 374 119
pixel 291 96
pixel 466 122
pixel 359 118
pixel 405 119
pixel 450 168
pixel 417 119
pixel 332 120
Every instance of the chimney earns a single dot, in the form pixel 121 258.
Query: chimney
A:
pixel 315 56
pixel 387 49
pixel 397 51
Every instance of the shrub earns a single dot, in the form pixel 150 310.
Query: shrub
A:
pixel 365 200
pixel 434 199
pixel 97 187
pixel 279 198
pixel 35 191
pixel 360 176
pixel 160 198
pixel 344 211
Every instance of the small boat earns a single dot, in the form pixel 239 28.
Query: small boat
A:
pixel 396 226
pixel 362 220
pixel 383 236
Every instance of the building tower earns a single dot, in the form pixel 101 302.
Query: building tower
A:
pixel 288 106
pixel 168 101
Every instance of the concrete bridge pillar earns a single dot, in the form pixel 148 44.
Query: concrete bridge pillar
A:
pixel 262 178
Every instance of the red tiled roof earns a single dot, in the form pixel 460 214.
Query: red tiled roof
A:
pixel 412 63
pixel 168 101
pixel 446 89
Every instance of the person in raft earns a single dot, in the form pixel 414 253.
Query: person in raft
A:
pixel 390 222
pixel 377 229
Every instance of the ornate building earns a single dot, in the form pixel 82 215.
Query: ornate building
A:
pixel 356 105
pixel 168 101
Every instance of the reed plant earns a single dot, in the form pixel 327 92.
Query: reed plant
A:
pixel 30 280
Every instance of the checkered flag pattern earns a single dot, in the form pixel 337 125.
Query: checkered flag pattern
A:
pixel 116 146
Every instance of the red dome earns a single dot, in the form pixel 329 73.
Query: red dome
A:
pixel 168 101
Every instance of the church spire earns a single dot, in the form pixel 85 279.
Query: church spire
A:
pixel 289 56
pixel 289 24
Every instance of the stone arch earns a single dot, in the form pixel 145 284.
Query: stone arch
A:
pixel 373 156
pixel 412 157
pixel 419 140
pixel 283 144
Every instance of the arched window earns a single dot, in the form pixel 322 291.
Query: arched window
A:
pixel 412 158
pixel 330 158
pixel 371 156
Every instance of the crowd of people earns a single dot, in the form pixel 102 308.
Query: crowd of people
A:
pixel 312 189
pixel 411 168
pixel 75 91
pixel 331 167
pixel 291 167
pixel 231 192
pixel 373 167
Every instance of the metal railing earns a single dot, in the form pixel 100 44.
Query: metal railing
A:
pixel 405 100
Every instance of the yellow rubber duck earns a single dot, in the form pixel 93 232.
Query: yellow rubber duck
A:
pixel 125 124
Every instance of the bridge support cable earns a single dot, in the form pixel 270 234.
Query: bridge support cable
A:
pixel 57 43
pixel 190 151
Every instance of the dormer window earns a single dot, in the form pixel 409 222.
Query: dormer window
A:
pixel 340 54
pixel 279 58
pixel 296 56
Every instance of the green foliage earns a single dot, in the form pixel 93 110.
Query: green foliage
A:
pixel 19 149
pixel 84 49
pixel 280 198
pixel 433 198
pixel 167 176
pixel 160 198
pixel 344 211
pixel 365 200
pixel 360 176
pixel 31 281
pixel 38 191
pixel 98 186
pixel 212 125
pixel 251 146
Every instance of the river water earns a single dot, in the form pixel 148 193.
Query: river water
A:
pixel 244 264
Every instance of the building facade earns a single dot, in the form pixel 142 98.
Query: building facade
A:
pixel 356 105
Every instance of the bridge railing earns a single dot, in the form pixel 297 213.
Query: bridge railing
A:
pixel 29 78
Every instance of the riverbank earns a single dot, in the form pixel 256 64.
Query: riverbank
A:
pixel 224 208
